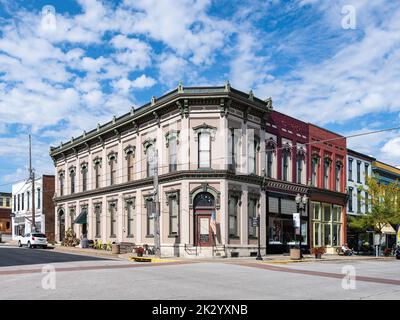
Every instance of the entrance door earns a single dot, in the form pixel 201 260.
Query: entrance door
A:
pixel 203 231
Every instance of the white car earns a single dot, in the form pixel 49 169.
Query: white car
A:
pixel 33 240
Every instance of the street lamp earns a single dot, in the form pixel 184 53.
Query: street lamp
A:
pixel 301 202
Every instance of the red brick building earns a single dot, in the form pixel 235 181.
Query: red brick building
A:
pixel 5 212
pixel 286 171
pixel 327 171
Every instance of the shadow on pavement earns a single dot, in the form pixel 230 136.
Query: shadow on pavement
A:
pixel 23 256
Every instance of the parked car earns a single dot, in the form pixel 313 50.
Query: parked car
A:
pixel 33 240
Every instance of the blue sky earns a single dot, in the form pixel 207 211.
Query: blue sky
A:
pixel 99 58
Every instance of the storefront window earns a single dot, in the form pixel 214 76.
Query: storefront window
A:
pixel 337 213
pixel 327 234
pixel 336 235
pixel 317 234
pixel 326 227
pixel 316 209
pixel 327 213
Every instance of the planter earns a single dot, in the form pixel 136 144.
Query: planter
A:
pixel 104 246
pixel 115 249
pixel 295 254
pixel 318 256
pixel 140 254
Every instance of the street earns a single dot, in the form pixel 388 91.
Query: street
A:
pixel 82 277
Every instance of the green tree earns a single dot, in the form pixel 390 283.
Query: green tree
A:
pixel 384 206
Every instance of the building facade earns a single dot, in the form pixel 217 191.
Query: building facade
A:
pixel 286 170
pixel 386 174
pixel 359 168
pixel 44 207
pixel 207 147
pixel 327 180
pixel 5 213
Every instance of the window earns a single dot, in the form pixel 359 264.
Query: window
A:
pixel 38 198
pixel 172 153
pixel 15 203
pixel 336 225
pixel 19 202
pixel 150 206
pixel 252 147
pixel 327 163
pixel 234 145
pixel 1 201
pixel 22 201
pixel 358 201
pixel 61 182
pixel 84 172
pixel 316 210
pixel 112 157
pixel 173 215
pixel 97 213
pixel 350 169
pixel 8 202
pixel 338 174
pixel 130 208
pixel 366 202
pixel 113 219
pixel 350 199
pixel 359 171
pixel 129 160
pixel 97 166
pixel 300 161
pixel 366 168
pixel 314 170
pixel 285 164
pixel 233 217
pixel 204 145
pixel 28 200
pixel 252 212
pixel 151 160
pixel 72 179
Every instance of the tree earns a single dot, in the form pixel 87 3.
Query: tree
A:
pixel 384 206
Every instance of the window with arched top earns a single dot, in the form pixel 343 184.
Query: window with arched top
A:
pixel 129 155
pixel 286 152
pixel 84 172
pixel 204 199
pixel 112 161
pixel 97 167
pixel 270 153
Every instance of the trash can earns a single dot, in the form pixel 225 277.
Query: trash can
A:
pixel 115 249
pixel 295 254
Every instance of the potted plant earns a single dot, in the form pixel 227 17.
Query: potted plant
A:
pixel 318 252
pixel 139 251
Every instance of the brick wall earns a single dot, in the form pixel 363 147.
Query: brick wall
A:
pixel 48 205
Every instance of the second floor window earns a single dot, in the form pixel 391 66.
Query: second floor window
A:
pixel 84 172
pixel 350 199
pixel 359 171
pixel 350 169
pixel 366 173
pixel 38 198
pixel 72 180
pixel 22 201
pixel 61 182
pixel 327 164
pixel 151 160
pixel 204 147
pixel 130 164
pixel 300 163
pixel 285 164
pixel 97 174
pixel 28 200
pixel 113 168
pixel 252 147
pixel 314 171
pixel 172 154
pixel 338 174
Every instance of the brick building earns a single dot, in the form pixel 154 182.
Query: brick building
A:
pixel 5 213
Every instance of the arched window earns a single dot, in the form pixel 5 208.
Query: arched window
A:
pixel 84 172
pixel 204 199
pixel 270 158
pixel 286 162
pixel 61 176
pixel 172 145
pixel 112 161
pixel 130 154
pixel 72 176
pixel 151 160
pixel 97 166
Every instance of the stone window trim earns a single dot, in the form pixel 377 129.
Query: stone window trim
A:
pixel 172 134
pixel 130 201
pixel 204 128
pixel 61 173
pixel 327 160
pixel 147 143
pixel 205 188
pixel 129 150
pixel 271 145
pixel 84 166
pixel 236 193
pixel 254 196
pixel 315 156
pixel 97 161
pixel 112 156
pixel 72 170
pixel 97 205
pixel 301 151
pixel 339 164
pixel 287 149
pixel 172 194
pixel 112 204
pixel 147 198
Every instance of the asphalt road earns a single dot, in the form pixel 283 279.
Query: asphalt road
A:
pixel 80 277
pixel 14 256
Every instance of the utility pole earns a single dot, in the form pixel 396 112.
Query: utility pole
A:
pixel 32 178
pixel 157 241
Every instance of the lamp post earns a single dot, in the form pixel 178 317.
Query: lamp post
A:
pixel 301 202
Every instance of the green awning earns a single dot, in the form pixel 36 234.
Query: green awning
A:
pixel 82 218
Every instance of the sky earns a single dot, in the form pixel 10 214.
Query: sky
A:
pixel 67 67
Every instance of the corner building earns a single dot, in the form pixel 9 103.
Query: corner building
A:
pixel 210 145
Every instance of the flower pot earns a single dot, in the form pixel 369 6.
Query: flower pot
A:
pixel 318 256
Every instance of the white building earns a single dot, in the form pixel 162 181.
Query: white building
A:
pixel 359 168
pixel 44 208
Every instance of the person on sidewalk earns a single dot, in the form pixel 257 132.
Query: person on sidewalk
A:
pixel 346 250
